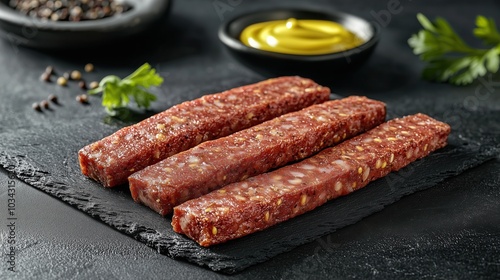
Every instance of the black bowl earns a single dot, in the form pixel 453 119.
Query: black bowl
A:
pixel 23 30
pixel 313 66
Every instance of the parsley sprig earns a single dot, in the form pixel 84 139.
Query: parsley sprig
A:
pixel 449 58
pixel 116 92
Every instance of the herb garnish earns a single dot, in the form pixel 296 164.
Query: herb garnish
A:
pixel 116 92
pixel 449 58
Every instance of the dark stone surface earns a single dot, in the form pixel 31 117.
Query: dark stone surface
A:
pixel 48 160
pixel 448 231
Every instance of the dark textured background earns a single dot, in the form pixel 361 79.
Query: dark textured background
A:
pixel 450 230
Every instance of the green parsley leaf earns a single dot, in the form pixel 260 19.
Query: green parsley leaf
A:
pixel 117 93
pixel 486 30
pixel 449 58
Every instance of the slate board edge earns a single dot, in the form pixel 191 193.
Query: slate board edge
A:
pixel 46 182
pixel 480 158
pixel 24 167
pixel 227 266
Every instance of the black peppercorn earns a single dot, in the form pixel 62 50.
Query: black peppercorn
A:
pixel 53 98
pixel 49 70
pixel 36 107
pixel 69 10
pixel 44 104
pixel 45 77
pixel 82 98
pixel 82 84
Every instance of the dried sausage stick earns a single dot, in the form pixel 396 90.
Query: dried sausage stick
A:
pixel 253 151
pixel 265 200
pixel 111 160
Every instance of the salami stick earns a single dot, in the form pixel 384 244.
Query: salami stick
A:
pixel 111 160
pixel 253 151
pixel 265 200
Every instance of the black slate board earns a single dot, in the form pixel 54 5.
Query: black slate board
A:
pixel 46 158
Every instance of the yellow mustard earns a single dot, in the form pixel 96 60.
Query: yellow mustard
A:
pixel 300 37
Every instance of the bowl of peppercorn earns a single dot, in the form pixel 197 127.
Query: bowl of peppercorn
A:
pixel 66 24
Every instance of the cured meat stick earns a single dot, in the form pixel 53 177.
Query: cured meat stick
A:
pixel 265 200
pixel 253 151
pixel 111 160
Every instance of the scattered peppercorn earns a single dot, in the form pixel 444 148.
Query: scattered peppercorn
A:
pixel 53 98
pixel 89 67
pixel 93 85
pixel 49 70
pixel 36 107
pixel 44 104
pixel 62 81
pixel 69 10
pixel 76 75
pixel 82 98
pixel 45 77
pixel 82 84
pixel 67 76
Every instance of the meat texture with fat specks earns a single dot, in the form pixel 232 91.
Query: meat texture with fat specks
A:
pixel 253 151
pixel 257 203
pixel 111 160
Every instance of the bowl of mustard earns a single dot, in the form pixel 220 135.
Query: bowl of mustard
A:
pixel 316 44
